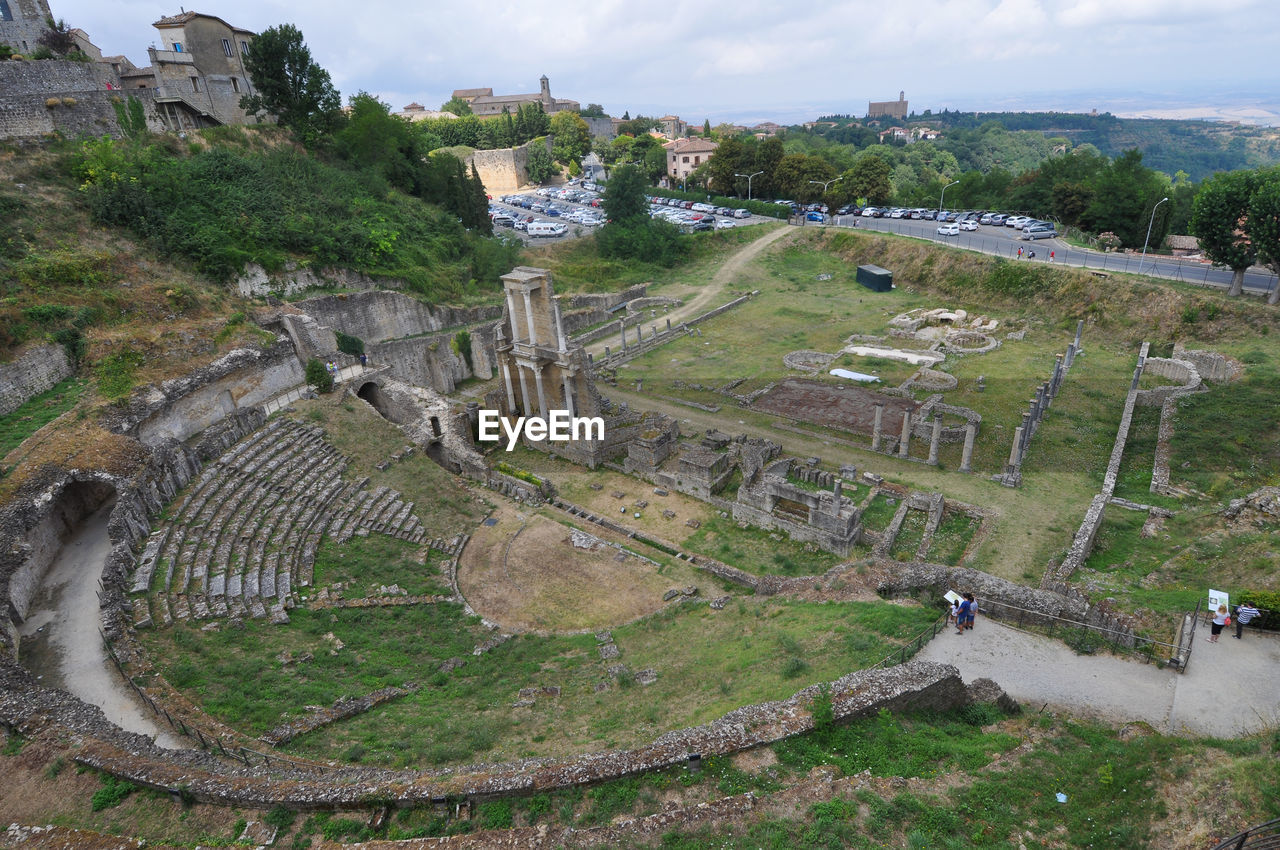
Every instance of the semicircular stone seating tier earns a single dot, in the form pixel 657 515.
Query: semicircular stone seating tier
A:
pixel 244 537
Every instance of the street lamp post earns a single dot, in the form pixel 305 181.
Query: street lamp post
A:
pixel 749 177
pixel 827 183
pixel 944 193
pixel 1150 224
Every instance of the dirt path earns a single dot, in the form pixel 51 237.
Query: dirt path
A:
pixel 61 640
pixel 1229 688
pixel 725 275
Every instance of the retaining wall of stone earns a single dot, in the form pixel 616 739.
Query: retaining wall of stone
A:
pixel 378 316
pixel 54 95
pixel 258 282
pixel 916 685
pixel 183 407
pixel 31 373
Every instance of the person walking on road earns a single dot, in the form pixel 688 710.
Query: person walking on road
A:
pixel 1244 614
pixel 1051 256
pixel 1220 619
pixel 1019 252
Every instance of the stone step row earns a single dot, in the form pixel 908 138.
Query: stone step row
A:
pixel 244 538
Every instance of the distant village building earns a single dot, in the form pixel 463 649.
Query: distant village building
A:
pixel 895 134
pixel 926 134
pixel 485 102
pixel 418 112
pixel 766 129
pixel 684 155
pixel 672 127
pixel 889 108
pixel 22 22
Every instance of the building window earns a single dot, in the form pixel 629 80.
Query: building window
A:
pixel 697 159
pixel 235 84
pixel 685 159
pixel 244 48
pixel 195 84
pixel 226 46
pixel 177 47
pixel 5 14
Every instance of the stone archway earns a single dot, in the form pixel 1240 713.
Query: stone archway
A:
pixel 372 393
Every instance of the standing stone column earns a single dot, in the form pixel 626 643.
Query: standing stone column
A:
pixel 506 379
pixel 935 439
pixel 525 405
pixel 668 323
pixel 1079 331
pixel 639 335
pixel 966 457
pixel 875 428
pixel 564 346
pixel 1015 453
pixel 567 383
pixel 622 329
pixel 542 395
pixel 836 492
pixel 904 444
pixel 528 314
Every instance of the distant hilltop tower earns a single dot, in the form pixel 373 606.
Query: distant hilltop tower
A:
pixel 22 22
pixel 889 108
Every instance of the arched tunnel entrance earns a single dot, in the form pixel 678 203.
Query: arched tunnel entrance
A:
pixel 373 394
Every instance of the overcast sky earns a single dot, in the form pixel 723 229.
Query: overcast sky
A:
pixel 751 60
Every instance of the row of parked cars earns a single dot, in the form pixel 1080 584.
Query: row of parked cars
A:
pixel 955 221
pixel 697 207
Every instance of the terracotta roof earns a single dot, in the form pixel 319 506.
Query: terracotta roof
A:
pixel 691 145
pixel 473 92
pixel 175 20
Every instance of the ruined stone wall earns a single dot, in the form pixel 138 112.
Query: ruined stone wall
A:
pixel 72 98
pixel 379 316
pixel 422 361
pixel 257 282
pixel 578 319
pixel 185 406
pixel 1183 372
pixel 915 686
pixel 1211 365
pixel 607 300
pixel 31 373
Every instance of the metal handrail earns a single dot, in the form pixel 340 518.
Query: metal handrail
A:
pixel 997 609
pixel 1265 836
pixel 900 656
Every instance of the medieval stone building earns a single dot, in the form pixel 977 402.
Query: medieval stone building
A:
pixel 485 102
pixel 22 22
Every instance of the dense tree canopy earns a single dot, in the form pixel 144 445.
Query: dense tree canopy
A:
pixel 1218 220
pixel 290 85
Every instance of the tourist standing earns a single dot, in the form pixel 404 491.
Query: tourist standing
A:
pixel 1019 252
pixel 962 614
pixel 1051 256
pixel 1220 619
pixel 953 613
pixel 973 610
pixel 364 360
pixel 1244 614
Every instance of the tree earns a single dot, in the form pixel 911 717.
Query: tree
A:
pixel 1125 195
pixel 57 38
pixel 1264 223
pixel 374 138
pixel 478 208
pixel 457 106
pixel 593 110
pixel 869 178
pixel 318 376
pixel 706 127
pixel 539 166
pixel 290 85
pixel 571 139
pixel 1219 216
pixel 624 199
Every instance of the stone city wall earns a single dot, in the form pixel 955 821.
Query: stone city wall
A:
pixel 31 373
pixel 501 169
pixel 71 98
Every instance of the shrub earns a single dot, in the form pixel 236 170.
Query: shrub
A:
pixel 112 793
pixel 348 344
pixel 318 376
pixel 116 373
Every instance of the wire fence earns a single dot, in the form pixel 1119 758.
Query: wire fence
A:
pixel 908 650
pixel 1083 636
pixel 1170 268
pixel 1262 837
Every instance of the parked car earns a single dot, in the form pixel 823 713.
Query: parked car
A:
pixel 1015 221
pixel 725 223
pixel 815 215
pixel 968 224
pixel 949 229
pixel 547 228
pixel 742 213
pixel 1040 231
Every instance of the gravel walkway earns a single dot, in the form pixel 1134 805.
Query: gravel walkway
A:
pixel 1230 689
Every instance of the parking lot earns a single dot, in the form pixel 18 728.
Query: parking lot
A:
pixel 554 213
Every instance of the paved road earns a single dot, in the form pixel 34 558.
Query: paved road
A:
pixel 1002 241
pixel 1230 687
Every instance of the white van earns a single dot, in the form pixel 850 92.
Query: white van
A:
pixel 546 228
